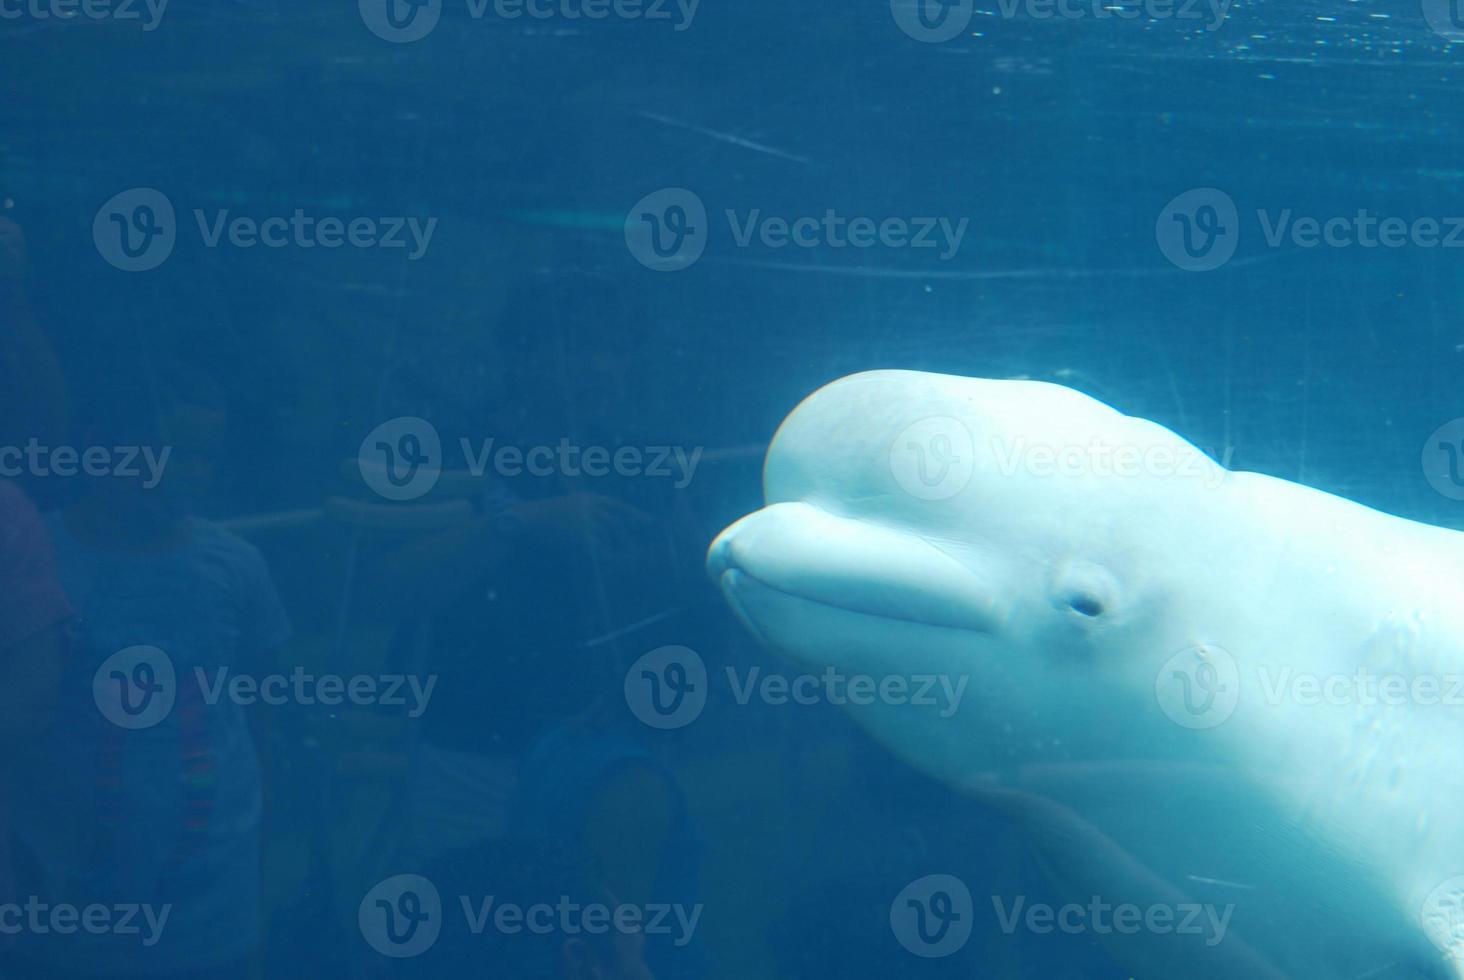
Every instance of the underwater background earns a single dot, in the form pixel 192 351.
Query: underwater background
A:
pixel 324 261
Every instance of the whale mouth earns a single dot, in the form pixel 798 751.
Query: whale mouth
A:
pixel 796 552
pixel 745 593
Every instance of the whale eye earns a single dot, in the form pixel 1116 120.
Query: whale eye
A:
pixel 1085 590
pixel 1086 605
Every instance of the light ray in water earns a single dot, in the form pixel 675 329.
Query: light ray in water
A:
pixel 1220 881
pixel 732 138
pixel 639 624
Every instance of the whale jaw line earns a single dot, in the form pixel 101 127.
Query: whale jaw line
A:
pixel 795 553
pixel 745 592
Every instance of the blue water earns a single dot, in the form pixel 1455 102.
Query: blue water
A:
pixel 288 274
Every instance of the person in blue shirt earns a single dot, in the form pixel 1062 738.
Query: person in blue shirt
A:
pixel 164 817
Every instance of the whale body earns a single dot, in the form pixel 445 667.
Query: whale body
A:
pixel 1189 686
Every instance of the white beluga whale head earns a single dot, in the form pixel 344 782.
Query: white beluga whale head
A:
pixel 1106 614
pixel 1011 533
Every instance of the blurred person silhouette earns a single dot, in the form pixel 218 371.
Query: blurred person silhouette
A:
pixel 530 613
pixel 34 611
pixel 161 812
pixel 32 408
pixel 32 389
pixel 34 619
pixel 34 644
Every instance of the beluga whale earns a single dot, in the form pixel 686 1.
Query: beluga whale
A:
pixel 1190 687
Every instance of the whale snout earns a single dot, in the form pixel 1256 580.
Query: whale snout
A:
pixel 796 552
